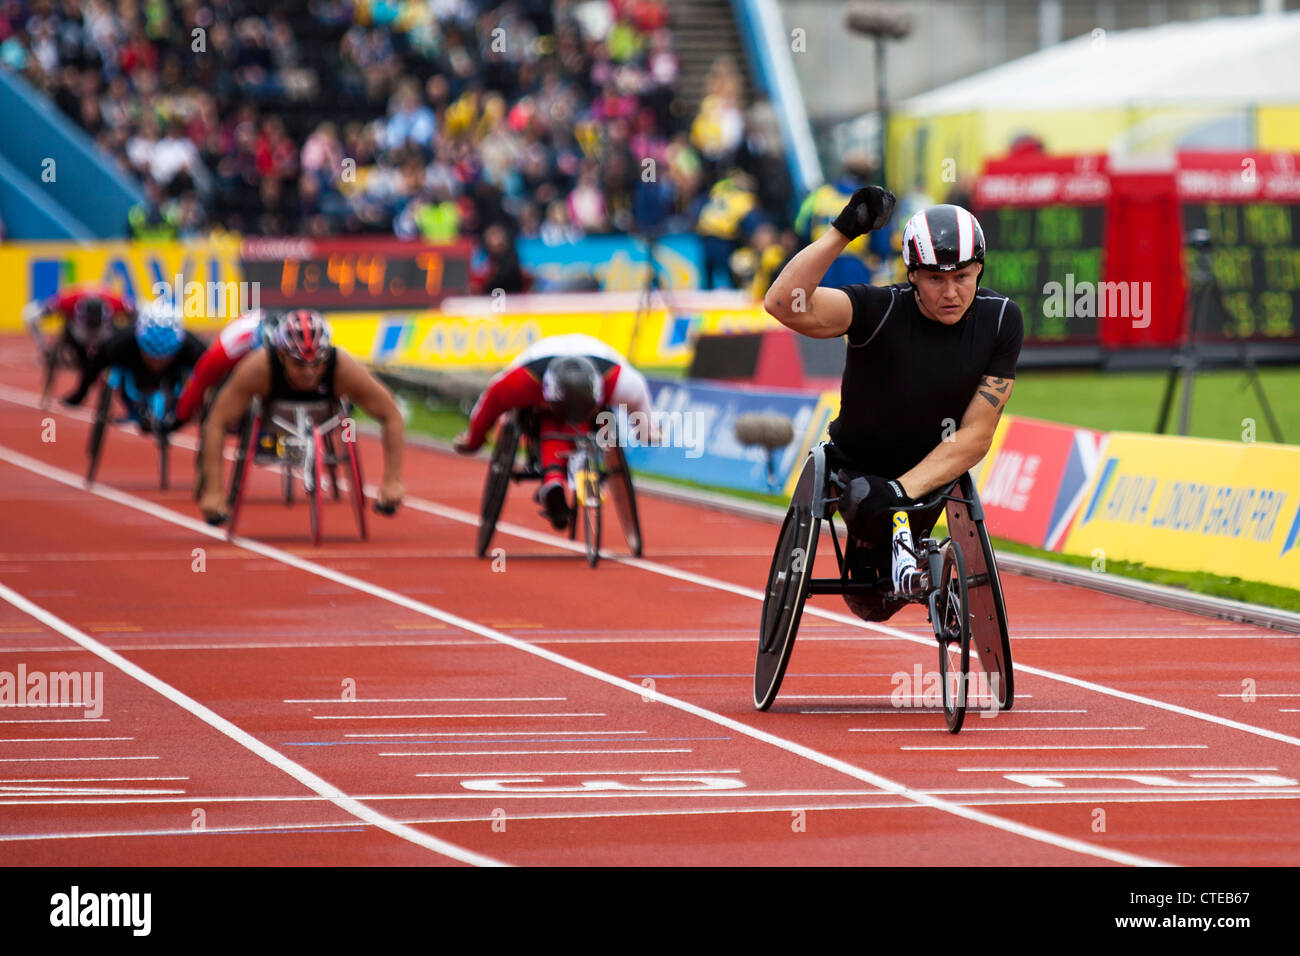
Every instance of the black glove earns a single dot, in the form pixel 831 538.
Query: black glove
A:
pixel 866 497
pixel 870 208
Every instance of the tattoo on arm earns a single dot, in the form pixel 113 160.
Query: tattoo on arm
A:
pixel 998 385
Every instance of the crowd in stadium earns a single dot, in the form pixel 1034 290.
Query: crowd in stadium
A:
pixel 426 118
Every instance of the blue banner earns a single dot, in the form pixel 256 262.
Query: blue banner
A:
pixel 612 263
pixel 697 440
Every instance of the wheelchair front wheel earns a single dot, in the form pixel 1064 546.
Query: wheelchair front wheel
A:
pixel 500 470
pixel 951 620
pixel 96 444
pixel 587 492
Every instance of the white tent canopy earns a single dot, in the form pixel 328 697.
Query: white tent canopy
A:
pixel 1226 61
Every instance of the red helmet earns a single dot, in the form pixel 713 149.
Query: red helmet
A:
pixel 304 336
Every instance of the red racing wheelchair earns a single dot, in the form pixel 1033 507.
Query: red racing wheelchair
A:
pixel 600 470
pixel 302 440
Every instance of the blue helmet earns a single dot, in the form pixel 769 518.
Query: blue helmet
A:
pixel 158 329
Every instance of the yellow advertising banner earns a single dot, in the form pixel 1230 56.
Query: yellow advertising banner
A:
pixel 657 339
pixel 206 275
pixel 1195 505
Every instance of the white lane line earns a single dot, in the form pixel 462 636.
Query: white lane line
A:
pixel 577 773
pixel 58 720
pixel 1065 747
pixel 61 759
pixel 473 796
pixel 1051 770
pixel 87 779
pixel 1239 696
pixel 499 733
pixel 39 791
pixel 422 700
pixel 464 517
pixel 884 783
pixel 980 727
pixel 55 740
pixel 1100 791
pixel 582 753
pixel 439 716
pixel 1047 800
pixel 240 736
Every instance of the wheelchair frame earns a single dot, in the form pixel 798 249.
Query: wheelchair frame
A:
pixel 302 445
pixel 963 592
pixel 602 468
pixel 110 384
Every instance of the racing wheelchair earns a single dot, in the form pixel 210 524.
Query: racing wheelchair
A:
pixel 302 439
pixel 148 411
pixel 594 469
pixel 956 579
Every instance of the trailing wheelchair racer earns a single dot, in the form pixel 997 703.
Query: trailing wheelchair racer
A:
pixel 597 472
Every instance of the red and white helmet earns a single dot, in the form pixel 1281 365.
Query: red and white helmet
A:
pixel 942 239
pixel 303 335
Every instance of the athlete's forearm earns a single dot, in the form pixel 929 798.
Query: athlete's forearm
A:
pixel 950 459
pixel 214 442
pixel 394 431
pixel 790 297
pixel 32 314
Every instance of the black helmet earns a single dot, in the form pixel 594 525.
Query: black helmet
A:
pixel 573 388
pixel 91 312
pixel 942 239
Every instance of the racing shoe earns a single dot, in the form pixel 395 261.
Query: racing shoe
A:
pixel 555 504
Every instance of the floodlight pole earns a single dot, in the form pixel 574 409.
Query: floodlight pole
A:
pixel 881 22
pixel 881 110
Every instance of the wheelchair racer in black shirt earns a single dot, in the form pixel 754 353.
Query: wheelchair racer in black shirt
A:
pixel 930 363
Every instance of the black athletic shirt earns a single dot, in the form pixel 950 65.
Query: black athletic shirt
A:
pixel 282 391
pixel 123 351
pixel 904 374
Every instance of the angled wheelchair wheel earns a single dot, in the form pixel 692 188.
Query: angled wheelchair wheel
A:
pixel 621 492
pixel 358 486
pixel 787 587
pixel 988 616
pixel 248 427
pixel 95 446
pixel 243 463
pixel 951 619
pixel 313 471
pixel 500 470
pixel 51 368
pixel 164 446
pixel 587 492
pixel 333 463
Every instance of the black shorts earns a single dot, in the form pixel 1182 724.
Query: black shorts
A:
pixel 869 555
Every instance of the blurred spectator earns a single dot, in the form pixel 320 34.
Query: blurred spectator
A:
pixel 150 219
pixel 755 265
pixel 409 120
pixel 429 118
pixel 719 125
pixel 821 207
pixel 499 266
pixel 726 216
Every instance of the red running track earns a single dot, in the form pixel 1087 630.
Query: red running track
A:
pixel 400 702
